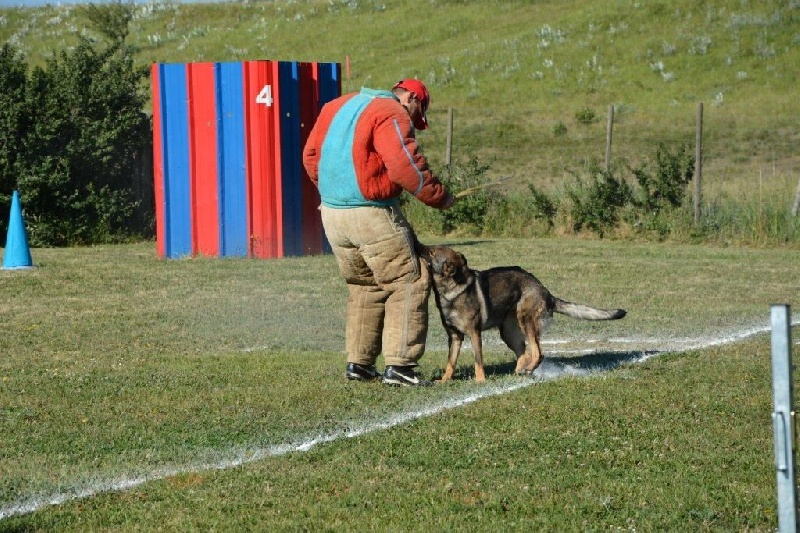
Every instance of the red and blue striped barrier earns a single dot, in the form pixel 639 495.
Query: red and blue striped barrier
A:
pixel 227 157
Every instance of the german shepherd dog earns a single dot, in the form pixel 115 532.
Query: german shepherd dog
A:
pixel 508 298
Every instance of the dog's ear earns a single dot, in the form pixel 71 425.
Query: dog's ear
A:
pixel 459 269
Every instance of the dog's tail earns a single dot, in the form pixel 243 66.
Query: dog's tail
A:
pixel 584 312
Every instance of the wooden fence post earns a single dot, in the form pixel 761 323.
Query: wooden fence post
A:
pixel 609 131
pixel 449 148
pixel 698 162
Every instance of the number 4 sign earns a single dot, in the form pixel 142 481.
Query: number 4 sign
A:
pixel 265 96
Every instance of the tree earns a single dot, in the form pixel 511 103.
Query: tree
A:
pixel 86 125
pixel 13 124
pixel 111 19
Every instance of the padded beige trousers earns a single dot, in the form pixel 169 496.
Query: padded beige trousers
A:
pixel 387 306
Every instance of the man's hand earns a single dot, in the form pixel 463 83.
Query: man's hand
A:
pixel 449 202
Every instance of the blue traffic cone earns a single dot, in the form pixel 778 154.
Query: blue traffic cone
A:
pixel 17 253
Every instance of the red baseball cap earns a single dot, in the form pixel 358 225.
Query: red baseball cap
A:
pixel 418 88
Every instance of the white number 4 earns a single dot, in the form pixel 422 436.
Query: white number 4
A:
pixel 265 96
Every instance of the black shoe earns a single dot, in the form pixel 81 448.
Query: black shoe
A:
pixel 361 372
pixel 403 375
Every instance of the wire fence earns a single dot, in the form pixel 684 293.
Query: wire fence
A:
pixel 544 146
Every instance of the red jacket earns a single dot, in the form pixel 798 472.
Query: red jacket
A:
pixel 362 151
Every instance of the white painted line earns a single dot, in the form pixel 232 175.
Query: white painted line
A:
pixel 236 457
pixel 239 457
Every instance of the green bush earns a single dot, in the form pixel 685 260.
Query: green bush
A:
pixel 586 116
pixel 544 208
pixel 596 205
pixel 13 124
pixel 655 207
pixel 111 19
pixel 470 212
pixel 79 127
pixel 517 214
pixel 665 185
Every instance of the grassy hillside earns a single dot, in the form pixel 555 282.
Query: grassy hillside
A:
pixel 515 72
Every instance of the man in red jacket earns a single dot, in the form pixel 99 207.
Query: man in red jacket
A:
pixel 362 154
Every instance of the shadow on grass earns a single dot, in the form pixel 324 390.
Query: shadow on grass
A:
pixel 470 242
pixel 554 367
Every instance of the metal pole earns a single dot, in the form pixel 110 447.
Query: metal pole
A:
pixel 783 417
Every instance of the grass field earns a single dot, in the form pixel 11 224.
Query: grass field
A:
pixel 143 394
pixel 208 394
